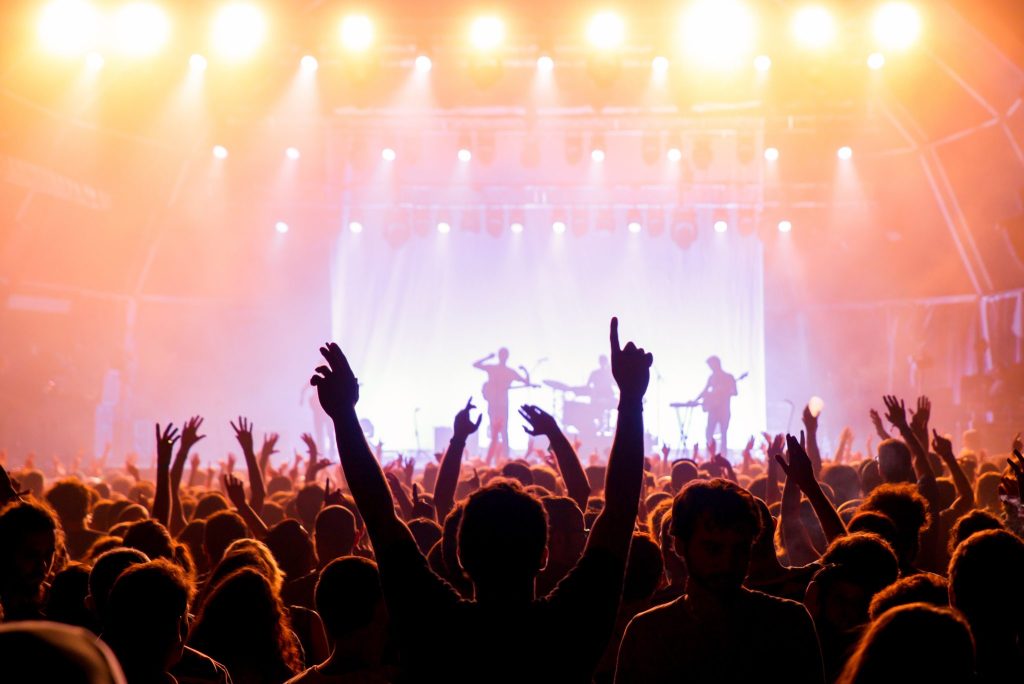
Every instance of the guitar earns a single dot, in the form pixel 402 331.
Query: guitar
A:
pixel 496 393
pixel 701 401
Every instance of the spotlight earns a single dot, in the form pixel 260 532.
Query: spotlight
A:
pixel 844 152
pixel 763 63
pixel 220 152
pixel 465 155
pixel 487 33
pixel 674 154
pixel 292 153
pixel 355 227
pixel 634 227
pixel 597 155
pixel 423 64
pixel 545 64
pixel 388 154
pixel 718 32
pixel 814 27
pixel 197 63
pixel 876 60
pixel 238 30
pixel 356 33
pixel 897 25
pixel 68 27
pixel 771 154
pixel 785 226
pixel 606 31
pixel 558 227
pixel 140 29
pixel 444 228
pixel 281 227
pixel 309 64
pixel 94 61
pixel 516 228
pixel 659 65
pixel 721 226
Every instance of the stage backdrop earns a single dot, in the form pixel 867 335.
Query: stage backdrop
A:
pixel 413 318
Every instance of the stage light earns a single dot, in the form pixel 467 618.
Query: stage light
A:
pixel 659 65
pixel 718 32
pixel 634 227
pixel 292 153
pixel 597 155
pixel 545 64
pixel 674 154
pixel 771 154
pixel 606 31
pixel 423 64
pixel 140 29
pixel 388 154
pixel 281 227
pixel 357 33
pixel 355 227
pixel 763 63
pixel 444 228
pixel 197 63
pixel 814 27
pixel 220 152
pixel 897 25
pixel 516 228
pixel 558 227
pixel 487 33
pixel 239 30
pixel 68 27
pixel 94 61
pixel 465 155
pixel 876 60
pixel 309 64
pixel 844 152
pixel 721 226
pixel 785 226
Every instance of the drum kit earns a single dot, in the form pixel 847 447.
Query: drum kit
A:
pixel 581 411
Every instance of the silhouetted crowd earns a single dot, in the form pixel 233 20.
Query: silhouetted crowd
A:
pixel 896 564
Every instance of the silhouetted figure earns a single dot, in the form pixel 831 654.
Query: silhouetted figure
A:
pixel 495 392
pixel 717 402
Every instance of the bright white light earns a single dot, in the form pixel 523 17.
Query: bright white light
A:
pixel 281 227
pixel 606 31
pixel 721 226
pixel 844 153
pixel 771 154
pixel 814 27
pixel 718 33
pixel 388 154
pixel 68 27
pixel 545 64
pixel 423 64
pixel 660 65
pixel 597 155
pixel 487 33
pixel 465 155
pixel 197 63
pixel 634 227
pixel 94 61
pixel 220 152
pixel 140 29
pixel 357 33
pixel 516 228
pixel 763 63
pixel 310 63
pixel 443 228
pixel 674 154
pixel 558 227
pixel 876 60
pixel 897 25
pixel 355 227
pixel 785 226
pixel 239 30
pixel 292 153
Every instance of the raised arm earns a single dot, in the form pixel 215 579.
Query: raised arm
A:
pixel 480 363
pixel 164 452
pixel 315 464
pixel 540 422
pixel 795 539
pixel 876 422
pixel 243 433
pixel 965 492
pixel 613 529
pixel 801 471
pixel 451 462
pixel 771 466
pixel 811 429
pixel 189 436
pixel 236 494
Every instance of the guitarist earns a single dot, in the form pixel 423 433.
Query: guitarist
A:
pixel 716 400
pixel 499 381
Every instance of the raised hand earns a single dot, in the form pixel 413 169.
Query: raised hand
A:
pixel 9 487
pixel 539 422
pixel 268 448
pixel 919 419
pixel 895 411
pixel 243 433
pixel 464 424
pixel 333 497
pixel 130 464
pixel 799 467
pixel 876 420
pixel 190 434
pixel 194 462
pixel 165 445
pixel 1017 443
pixel 1017 466
pixel 235 491
pixel 310 443
pixel 810 420
pixel 943 447
pixel 336 384
pixel 631 366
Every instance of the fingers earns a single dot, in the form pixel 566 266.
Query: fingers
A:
pixel 614 335
pixel 469 404
pixel 782 463
pixel 479 419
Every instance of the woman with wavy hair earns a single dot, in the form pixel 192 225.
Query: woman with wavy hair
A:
pixel 31 551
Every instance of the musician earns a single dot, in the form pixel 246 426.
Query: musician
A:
pixel 716 400
pixel 499 381
pixel 601 384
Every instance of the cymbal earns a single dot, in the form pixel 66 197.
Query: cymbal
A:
pixel 685 404
pixel 563 387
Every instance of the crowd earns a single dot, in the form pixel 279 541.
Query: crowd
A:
pixel 899 564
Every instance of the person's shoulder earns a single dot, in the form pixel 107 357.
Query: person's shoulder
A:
pixel 658 617
pixel 307 676
pixel 196 666
pixel 766 603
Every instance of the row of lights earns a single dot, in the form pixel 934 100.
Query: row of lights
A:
pixel 712 30
pixel 557 227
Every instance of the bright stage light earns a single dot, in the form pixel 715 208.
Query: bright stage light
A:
pixel 140 29
pixel 763 63
pixel 771 154
pixel 558 227
pixel 239 30
pixel 785 226
pixel 197 63
pixel 292 153
pixel 674 154
pixel 897 25
pixel 281 227
pixel 845 152
pixel 94 61
pixel 597 155
pixel 634 227
pixel 814 27
pixel 718 32
pixel 68 27
pixel 388 154
pixel 444 228
pixel 516 228
pixel 309 64
pixel 357 33
pixel 423 64
pixel 487 33
pixel 721 226
pixel 606 31
pixel 220 152
pixel 465 155
pixel 355 227
pixel 545 64
pixel 876 60
pixel 659 65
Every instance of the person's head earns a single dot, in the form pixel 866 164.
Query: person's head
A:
pixel 869 555
pixel 33 480
pixel 913 643
pixel 222 528
pixel 714 524
pixel 981 574
pixel 104 573
pixel 151 538
pixel 683 472
pixel 503 356
pixel 894 464
pixel 308 502
pixel 854 568
pixel 908 511
pixel 844 480
pixel 923 587
pixel 986 491
pixel 644 569
pixel 65 599
pixel 70 499
pixel 29 538
pixel 334 534
pixel 545 477
pixel 292 547
pixel 518 471
pixel 426 532
pixel 349 598
pixel 209 504
pixel 602 361
pixel 969 523
pixel 875 523
pixel 146 618
pixel 36 651
pixel 714 363
pixel 247 553
pixel 503 535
